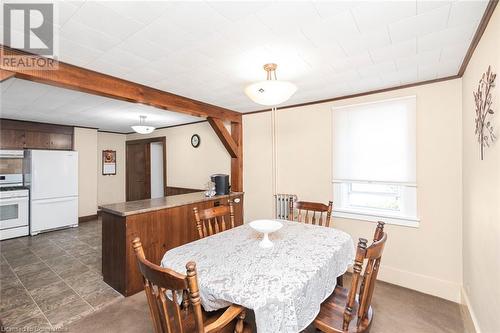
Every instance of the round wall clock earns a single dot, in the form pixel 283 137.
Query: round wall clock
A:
pixel 195 140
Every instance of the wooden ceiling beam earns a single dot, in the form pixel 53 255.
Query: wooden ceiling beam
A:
pixel 81 79
pixel 224 136
pixel 5 75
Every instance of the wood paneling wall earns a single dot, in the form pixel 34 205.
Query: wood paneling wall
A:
pixel 16 134
pixel 172 190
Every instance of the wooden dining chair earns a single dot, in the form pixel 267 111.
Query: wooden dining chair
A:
pixel 311 212
pixel 213 220
pixel 171 315
pixel 344 310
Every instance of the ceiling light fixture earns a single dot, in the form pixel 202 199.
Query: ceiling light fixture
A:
pixel 142 128
pixel 270 92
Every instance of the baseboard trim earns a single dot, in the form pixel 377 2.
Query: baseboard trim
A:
pixel 468 314
pixel 423 283
pixel 87 218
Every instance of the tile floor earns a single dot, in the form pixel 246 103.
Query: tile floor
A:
pixel 52 279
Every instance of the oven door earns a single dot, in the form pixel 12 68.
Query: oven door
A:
pixel 13 212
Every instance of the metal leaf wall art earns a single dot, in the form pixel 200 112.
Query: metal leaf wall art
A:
pixel 483 99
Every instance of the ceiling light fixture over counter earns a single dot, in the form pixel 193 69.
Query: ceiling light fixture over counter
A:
pixel 142 128
pixel 270 92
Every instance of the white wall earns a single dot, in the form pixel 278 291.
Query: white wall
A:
pixel 481 188
pixel 187 166
pixel 86 145
pixel 111 188
pixel 427 258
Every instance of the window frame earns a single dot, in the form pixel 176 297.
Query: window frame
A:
pixel 406 216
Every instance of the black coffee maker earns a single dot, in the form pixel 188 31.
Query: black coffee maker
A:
pixel 221 183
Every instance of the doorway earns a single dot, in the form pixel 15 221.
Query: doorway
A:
pixel 146 168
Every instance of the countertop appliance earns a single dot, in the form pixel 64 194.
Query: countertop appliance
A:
pixel 52 177
pixel 221 183
pixel 14 206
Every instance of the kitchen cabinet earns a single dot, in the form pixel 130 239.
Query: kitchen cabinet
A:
pixel 30 135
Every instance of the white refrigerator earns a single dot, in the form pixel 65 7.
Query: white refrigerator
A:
pixel 52 177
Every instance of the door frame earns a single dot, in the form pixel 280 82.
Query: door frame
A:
pixel 163 141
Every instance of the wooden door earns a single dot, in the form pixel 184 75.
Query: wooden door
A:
pixel 138 168
pixel 138 172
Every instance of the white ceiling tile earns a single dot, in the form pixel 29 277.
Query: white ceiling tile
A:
pixel 454 51
pixel 362 42
pixel 145 13
pixel 143 48
pixel 428 72
pixel 374 14
pixel 195 18
pixel 324 32
pixel 377 69
pixel 66 10
pixel 433 20
pixel 463 12
pixel 284 16
pixel 421 58
pixel 408 75
pixel 108 67
pixel 403 49
pixel 328 9
pixel 427 5
pixel 438 39
pixel 101 18
pixel 76 54
pixel 81 34
pixel 235 11
pixel 122 58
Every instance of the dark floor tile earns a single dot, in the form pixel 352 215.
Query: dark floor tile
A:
pixel 68 313
pixel 87 283
pixel 102 297
pixel 18 314
pixel 60 261
pixel 36 323
pixel 89 259
pixel 12 297
pixel 49 252
pixel 15 252
pixel 39 279
pixel 30 268
pixel 53 296
pixel 22 260
pixel 75 269
pixel 11 244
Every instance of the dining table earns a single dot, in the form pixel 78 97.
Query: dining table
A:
pixel 284 285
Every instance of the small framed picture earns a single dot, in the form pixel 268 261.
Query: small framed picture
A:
pixel 109 162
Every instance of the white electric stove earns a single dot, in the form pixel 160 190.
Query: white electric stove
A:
pixel 14 207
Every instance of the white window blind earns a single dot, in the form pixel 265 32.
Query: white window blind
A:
pixel 374 161
pixel 375 142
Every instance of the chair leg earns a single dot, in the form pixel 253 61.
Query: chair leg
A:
pixel 239 324
pixel 340 280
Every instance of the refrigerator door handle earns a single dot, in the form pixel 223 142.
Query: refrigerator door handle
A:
pixel 48 201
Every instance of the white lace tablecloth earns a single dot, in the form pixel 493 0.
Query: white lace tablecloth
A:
pixel 284 285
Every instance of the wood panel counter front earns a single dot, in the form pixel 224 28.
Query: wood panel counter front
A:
pixel 161 224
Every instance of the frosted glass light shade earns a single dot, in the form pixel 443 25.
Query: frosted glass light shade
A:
pixel 270 92
pixel 141 129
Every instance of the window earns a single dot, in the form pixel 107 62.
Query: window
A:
pixel 374 161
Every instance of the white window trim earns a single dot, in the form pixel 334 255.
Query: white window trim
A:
pixel 373 215
pixel 389 219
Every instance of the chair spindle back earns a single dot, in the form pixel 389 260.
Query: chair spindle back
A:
pixel 311 212
pixel 214 220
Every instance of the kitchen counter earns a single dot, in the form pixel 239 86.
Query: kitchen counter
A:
pixel 161 224
pixel 150 205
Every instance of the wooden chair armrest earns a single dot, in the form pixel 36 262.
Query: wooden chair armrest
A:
pixel 232 312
